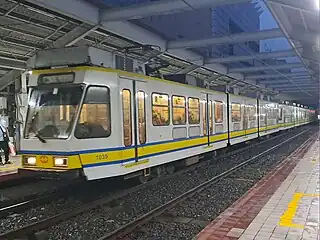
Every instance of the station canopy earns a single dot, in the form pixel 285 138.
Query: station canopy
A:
pixel 137 29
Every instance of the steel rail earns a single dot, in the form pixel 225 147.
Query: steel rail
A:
pixel 33 200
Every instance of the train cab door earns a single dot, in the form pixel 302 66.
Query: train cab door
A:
pixel 133 113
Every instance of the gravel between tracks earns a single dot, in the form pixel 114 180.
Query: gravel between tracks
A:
pixel 99 221
pixel 208 204
pixel 74 198
pixel 24 190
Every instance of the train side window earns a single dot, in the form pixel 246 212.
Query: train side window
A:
pixel 95 115
pixel 204 117
pixel 194 110
pixel 127 117
pixel 210 117
pixel 178 110
pixel 218 111
pixel 160 109
pixel 236 112
pixel 142 117
pixel 252 113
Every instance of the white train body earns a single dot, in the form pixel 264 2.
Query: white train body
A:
pixel 101 122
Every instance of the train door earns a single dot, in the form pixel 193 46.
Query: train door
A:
pixel 126 112
pixel 266 116
pixel 282 113
pixel 140 107
pixel 217 112
pixel 133 108
pixel 205 117
pixel 245 123
pixel 295 116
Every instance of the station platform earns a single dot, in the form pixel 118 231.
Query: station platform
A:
pixel 9 171
pixel 284 205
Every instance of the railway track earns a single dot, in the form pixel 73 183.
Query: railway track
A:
pixel 161 210
pixel 48 222
pixel 26 202
pixel 16 182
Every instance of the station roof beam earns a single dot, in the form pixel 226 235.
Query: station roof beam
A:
pixel 261 56
pixel 188 69
pixel 314 90
pixel 227 39
pixel 73 36
pixel 307 37
pixel 138 11
pixel 68 39
pixel 136 34
pixel 303 6
pixel 265 68
pixel 284 80
pixel 278 86
pixel 9 63
pixel 299 22
pixel 266 76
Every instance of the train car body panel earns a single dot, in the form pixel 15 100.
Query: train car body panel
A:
pixel 106 122
pixel 268 117
pixel 243 119
pixel 286 117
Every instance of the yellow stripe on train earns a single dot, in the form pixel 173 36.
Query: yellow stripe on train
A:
pixel 107 156
pixel 77 161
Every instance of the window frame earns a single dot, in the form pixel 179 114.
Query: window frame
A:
pixel 204 117
pixel 280 113
pixel 252 117
pixel 270 113
pixel 199 115
pixel 185 110
pixel 210 116
pixel 144 115
pixel 233 103
pixel 215 119
pixel 152 105
pixel 80 110
pixel 130 108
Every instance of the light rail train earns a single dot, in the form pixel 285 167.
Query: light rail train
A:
pixel 86 120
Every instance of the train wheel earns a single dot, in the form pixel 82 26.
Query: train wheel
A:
pixel 144 179
pixel 170 168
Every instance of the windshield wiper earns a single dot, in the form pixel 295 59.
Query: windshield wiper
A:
pixel 41 139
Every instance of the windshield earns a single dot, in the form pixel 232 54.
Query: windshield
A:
pixel 52 111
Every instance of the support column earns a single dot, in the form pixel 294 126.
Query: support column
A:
pixel 21 98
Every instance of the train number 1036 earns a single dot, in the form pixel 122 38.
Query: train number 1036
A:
pixel 102 156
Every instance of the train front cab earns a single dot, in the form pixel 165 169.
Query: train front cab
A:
pixel 68 125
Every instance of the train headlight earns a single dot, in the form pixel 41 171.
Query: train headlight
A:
pixel 60 161
pixel 30 160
